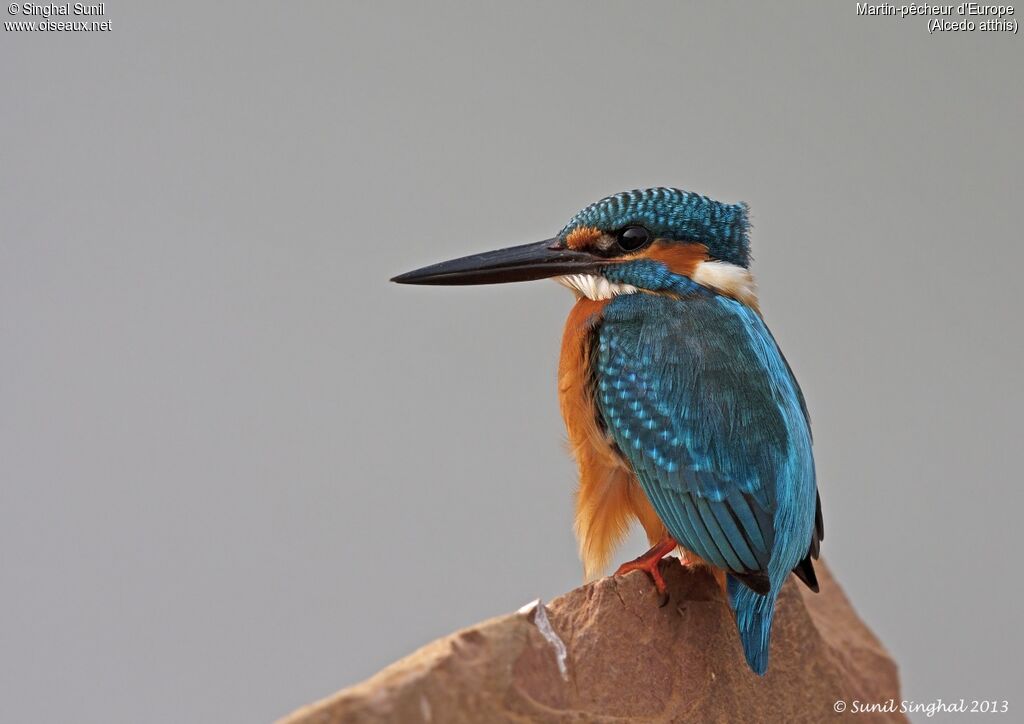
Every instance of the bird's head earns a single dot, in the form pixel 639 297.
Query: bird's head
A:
pixel 629 242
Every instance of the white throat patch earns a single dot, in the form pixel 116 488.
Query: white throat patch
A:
pixel 594 287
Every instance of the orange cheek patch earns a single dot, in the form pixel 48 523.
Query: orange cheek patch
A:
pixel 581 237
pixel 678 257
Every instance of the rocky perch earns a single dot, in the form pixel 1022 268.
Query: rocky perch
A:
pixel 606 652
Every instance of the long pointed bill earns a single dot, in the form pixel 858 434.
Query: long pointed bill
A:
pixel 516 264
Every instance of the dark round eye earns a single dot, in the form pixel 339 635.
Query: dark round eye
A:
pixel 632 238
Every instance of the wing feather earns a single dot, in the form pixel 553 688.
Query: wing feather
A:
pixel 703 406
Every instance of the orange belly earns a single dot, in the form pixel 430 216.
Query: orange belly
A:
pixel 608 496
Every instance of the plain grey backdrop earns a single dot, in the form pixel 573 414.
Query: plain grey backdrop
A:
pixel 240 469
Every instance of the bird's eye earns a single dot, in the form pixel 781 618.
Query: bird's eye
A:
pixel 632 238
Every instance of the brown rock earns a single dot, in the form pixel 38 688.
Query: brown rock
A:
pixel 607 652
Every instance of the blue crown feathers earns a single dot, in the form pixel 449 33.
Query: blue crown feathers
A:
pixel 674 214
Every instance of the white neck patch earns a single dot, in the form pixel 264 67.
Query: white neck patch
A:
pixel 728 279
pixel 594 287
pixel 725 278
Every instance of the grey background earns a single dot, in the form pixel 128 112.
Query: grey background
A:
pixel 240 470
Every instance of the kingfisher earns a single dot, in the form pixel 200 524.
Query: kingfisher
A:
pixel 681 411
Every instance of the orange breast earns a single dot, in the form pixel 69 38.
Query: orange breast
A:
pixel 608 495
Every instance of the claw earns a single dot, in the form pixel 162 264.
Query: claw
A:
pixel 649 563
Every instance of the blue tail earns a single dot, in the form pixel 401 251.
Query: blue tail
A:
pixel 754 614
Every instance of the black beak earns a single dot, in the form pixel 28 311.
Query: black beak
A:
pixel 540 260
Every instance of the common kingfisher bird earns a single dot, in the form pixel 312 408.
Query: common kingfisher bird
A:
pixel 681 410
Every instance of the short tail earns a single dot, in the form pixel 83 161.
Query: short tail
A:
pixel 754 614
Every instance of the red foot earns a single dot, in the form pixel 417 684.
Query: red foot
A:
pixel 649 562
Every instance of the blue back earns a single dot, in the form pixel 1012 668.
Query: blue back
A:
pixel 700 401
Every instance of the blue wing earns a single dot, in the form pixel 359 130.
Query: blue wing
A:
pixel 700 401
